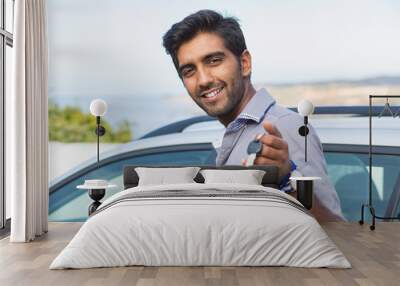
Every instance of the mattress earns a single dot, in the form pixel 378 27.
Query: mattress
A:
pixel 201 225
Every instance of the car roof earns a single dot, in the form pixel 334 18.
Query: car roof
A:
pixel 334 129
pixel 341 111
pixel 355 130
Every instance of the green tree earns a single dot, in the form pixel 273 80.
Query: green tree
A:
pixel 70 124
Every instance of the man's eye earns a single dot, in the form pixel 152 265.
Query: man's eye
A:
pixel 187 72
pixel 215 60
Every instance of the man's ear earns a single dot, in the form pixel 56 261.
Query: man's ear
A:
pixel 245 59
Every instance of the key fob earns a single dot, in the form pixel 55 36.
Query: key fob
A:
pixel 254 147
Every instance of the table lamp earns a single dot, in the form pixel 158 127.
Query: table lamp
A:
pixel 304 185
pixel 97 188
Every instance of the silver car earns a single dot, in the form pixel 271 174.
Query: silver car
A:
pixel 343 131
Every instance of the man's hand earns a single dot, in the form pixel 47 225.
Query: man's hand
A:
pixel 275 150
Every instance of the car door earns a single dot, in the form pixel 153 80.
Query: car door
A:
pixel 66 203
pixel 348 169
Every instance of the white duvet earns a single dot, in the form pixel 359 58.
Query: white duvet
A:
pixel 183 231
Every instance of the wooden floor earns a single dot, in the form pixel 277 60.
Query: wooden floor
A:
pixel 374 255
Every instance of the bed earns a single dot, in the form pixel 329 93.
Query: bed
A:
pixel 201 223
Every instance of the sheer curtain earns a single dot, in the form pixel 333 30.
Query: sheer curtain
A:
pixel 27 151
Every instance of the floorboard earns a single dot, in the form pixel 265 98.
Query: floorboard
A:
pixel 374 255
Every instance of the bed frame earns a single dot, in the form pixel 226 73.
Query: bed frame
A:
pixel 270 178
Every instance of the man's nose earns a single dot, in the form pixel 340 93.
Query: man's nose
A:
pixel 204 78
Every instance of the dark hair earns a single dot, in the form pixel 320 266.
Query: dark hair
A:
pixel 204 21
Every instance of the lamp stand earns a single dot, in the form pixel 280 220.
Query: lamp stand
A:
pixel 96 195
pixel 303 131
pixel 100 131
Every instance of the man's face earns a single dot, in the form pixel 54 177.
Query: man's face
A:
pixel 211 74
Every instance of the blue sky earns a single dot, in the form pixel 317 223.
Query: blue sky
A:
pixel 114 47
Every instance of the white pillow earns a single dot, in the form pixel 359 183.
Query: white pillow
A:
pixel 249 177
pixel 162 176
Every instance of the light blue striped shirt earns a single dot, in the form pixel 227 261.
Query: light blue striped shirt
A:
pixel 240 132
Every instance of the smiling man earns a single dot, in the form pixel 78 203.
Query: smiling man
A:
pixel 210 54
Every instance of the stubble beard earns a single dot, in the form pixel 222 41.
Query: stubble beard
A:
pixel 233 99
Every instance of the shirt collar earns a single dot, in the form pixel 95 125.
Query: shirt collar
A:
pixel 256 107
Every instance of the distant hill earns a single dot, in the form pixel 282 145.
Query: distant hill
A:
pixel 380 80
pixel 335 92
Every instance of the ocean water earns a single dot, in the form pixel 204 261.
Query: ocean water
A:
pixel 144 113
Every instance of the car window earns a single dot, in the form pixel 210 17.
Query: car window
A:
pixel 71 204
pixel 349 174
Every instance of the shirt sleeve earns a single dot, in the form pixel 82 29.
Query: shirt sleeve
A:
pixel 325 194
pixel 218 150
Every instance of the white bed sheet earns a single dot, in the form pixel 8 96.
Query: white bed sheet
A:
pixel 191 231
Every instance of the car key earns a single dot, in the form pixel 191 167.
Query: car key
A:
pixel 253 149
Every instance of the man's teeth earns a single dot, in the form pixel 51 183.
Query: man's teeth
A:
pixel 214 93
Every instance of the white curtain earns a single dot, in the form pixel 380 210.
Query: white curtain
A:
pixel 27 123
